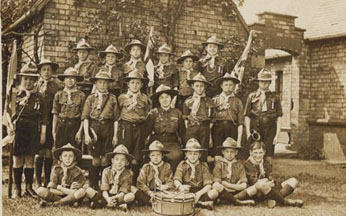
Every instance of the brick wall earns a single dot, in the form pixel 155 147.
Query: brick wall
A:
pixel 69 23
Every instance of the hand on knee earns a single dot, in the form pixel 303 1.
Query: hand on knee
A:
pixel 217 186
pixel 129 197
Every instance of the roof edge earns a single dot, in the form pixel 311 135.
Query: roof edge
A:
pixel 312 39
pixel 240 16
pixel 277 14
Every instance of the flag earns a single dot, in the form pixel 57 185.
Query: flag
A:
pixel 9 108
pixel 240 65
pixel 148 56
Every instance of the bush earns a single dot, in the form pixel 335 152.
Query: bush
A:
pixel 308 152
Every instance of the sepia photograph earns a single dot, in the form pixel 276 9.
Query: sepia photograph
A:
pixel 173 107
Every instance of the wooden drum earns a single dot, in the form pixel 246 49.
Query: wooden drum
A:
pixel 174 203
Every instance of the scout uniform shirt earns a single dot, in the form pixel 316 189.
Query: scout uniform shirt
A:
pixel 65 177
pixel 253 172
pixel 198 177
pixel 184 75
pixel 115 182
pixel 101 106
pixel 230 171
pixel 86 69
pixel 212 67
pixel 116 74
pixel 166 74
pixel 165 122
pixel 263 105
pixel 149 179
pixel 204 111
pixel 229 108
pixel 134 65
pixel 68 104
pixel 134 107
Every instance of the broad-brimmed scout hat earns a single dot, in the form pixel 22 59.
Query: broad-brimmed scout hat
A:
pixel 30 70
pixel 135 42
pixel 187 54
pixel 135 75
pixel 83 45
pixel 156 146
pixel 198 78
pixel 102 74
pixel 111 49
pixel 120 149
pixel 163 89
pixel 70 72
pixel 213 40
pixel 165 49
pixel 228 76
pixel 68 147
pixel 193 145
pixel 47 62
pixel 229 143
pixel 264 75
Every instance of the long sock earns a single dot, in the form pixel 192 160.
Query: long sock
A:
pixel 101 170
pixel 286 190
pixel 276 195
pixel 38 170
pixel 227 196
pixel 94 177
pixel 142 197
pixel 29 176
pixel 243 195
pixel 18 172
pixel 135 170
pixel 48 162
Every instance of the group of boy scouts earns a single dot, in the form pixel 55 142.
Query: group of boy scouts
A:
pixel 107 109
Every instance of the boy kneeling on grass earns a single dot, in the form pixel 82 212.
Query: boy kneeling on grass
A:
pixel 116 182
pixel 67 180
pixel 229 175
pixel 262 185
pixel 194 176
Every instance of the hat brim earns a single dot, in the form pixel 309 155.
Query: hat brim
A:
pixel 263 79
pixel 76 152
pixel 29 75
pixel 110 155
pixel 190 82
pixel 224 147
pixel 147 151
pixel 102 54
pixel 128 47
pixel 185 150
pixel 93 79
pixel 144 80
pixel 170 92
pixel 52 64
pixel 221 79
pixel 78 77
pixel 181 59
pixel 221 46
pixel 160 52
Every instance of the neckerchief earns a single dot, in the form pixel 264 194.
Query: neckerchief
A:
pixel 224 100
pixel 158 182
pixel 116 174
pixel 196 102
pixel 110 67
pixel 133 62
pixel 211 60
pixel 229 166
pixel 100 95
pixel 193 169
pixel 188 73
pixel 65 170
pixel 262 95
pixel 69 94
pixel 80 63
pixel 42 85
pixel 134 99
pixel 261 166
pixel 160 68
pixel 23 101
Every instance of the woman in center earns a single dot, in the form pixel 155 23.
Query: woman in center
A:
pixel 166 124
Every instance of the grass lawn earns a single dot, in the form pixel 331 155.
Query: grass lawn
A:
pixel 322 187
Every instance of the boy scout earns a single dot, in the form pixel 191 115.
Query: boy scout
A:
pixel 67 180
pixel 229 113
pixel 187 72
pixel 212 65
pixel 67 110
pixel 166 73
pixel 85 67
pixel 111 55
pixel 135 49
pixel 47 86
pixel 156 175
pixel 166 124
pixel 263 113
pixel 229 174
pixel 31 118
pixel 262 186
pixel 194 176
pixel 116 182
pixel 100 113
pixel 134 108
pixel 198 110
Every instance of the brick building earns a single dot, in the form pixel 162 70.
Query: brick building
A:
pixel 305 65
